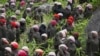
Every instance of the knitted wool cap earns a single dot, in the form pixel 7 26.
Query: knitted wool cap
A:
pixel 25 48
pixel 22 53
pixel 8 49
pixel 71 38
pixel 15 45
pixel 63 46
pixel 51 54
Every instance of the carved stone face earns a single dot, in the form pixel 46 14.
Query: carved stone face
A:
pixel 94 35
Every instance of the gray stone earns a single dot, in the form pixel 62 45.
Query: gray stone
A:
pixel 94 22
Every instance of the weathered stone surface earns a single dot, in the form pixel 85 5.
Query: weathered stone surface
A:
pixel 94 23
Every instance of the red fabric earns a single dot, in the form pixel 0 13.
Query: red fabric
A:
pixel 3 21
pixel 56 16
pixel 54 22
pixel 69 21
pixel 71 18
pixel 14 45
pixel 22 53
pixel 13 24
pixel 22 3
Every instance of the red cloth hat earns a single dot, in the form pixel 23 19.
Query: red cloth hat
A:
pixel 69 21
pixel 14 45
pixel 53 22
pixel 56 16
pixel 22 53
pixel 2 21
pixel 71 18
pixel 13 24
pixel 22 3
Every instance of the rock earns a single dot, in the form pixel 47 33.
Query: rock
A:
pixel 94 23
